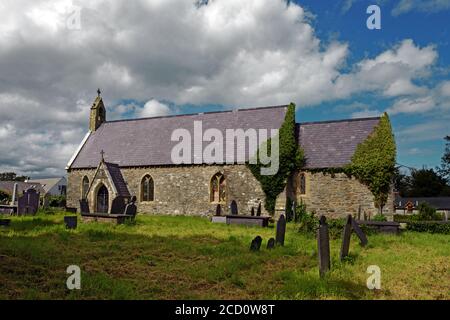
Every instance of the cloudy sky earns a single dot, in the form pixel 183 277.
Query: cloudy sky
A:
pixel 158 57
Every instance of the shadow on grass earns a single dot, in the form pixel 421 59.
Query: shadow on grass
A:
pixel 25 224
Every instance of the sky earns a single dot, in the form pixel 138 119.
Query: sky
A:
pixel 163 57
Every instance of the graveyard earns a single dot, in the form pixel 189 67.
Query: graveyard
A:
pixel 182 257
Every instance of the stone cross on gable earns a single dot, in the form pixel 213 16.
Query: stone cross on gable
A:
pixel 102 153
pixel 99 92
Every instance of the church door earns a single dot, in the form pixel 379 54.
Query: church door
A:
pixel 102 200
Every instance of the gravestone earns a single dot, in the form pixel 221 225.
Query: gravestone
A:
pixel 71 222
pixel 359 212
pixel 281 230
pixel 234 208
pixel 84 206
pixel 5 222
pixel 28 203
pixel 323 245
pixel 271 243
pixel 346 235
pixel 118 205
pixel 253 212
pixel 362 237
pixel 258 212
pixel 218 210
pixel 130 209
pixel 256 244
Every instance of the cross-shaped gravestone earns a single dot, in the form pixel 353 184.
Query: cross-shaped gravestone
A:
pixel 256 244
pixel 346 235
pixel 281 230
pixel 234 208
pixel 323 244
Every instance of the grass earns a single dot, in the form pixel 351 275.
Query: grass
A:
pixel 178 257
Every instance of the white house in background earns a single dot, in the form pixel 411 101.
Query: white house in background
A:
pixel 52 186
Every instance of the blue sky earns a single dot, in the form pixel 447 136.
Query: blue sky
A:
pixel 162 57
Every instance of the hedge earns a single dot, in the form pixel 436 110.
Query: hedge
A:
pixel 429 226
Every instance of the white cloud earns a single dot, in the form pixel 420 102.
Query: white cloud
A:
pixel 366 114
pixel 419 105
pixel 405 6
pixel 154 108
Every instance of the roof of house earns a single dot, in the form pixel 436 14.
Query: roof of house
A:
pixel 331 144
pixel 48 183
pixel 440 203
pixel 147 141
pixel 8 187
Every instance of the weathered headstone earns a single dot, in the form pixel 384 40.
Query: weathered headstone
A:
pixel 252 212
pixel 281 230
pixel 84 206
pixel 28 203
pixel 234 208
pixel 71 222
pixel 271 243
pixel 346 235
pixel 256 243
pixel 362 237
pixel 218 210
pixel 258 211
pixel 323 245
pixel 359 212
pixel 118 205
pixel 130 209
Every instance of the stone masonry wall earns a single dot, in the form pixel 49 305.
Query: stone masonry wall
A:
pixel 181 189
pixel 337 195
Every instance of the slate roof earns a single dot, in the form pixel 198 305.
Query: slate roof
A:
pixel 117 179
pixel 331 144
pixel 147 142
pixel 440 203
pixel 8 187
pixel 47 183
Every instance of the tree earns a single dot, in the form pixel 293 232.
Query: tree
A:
pixel 425 183
pixel 444 170
pixel 12 176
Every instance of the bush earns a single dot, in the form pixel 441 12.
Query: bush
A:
pixel 428 213
pixel 431 227
pixel 308 222
pixel 406 218
pixel 57 201
pixel 4 197
pixel 379 217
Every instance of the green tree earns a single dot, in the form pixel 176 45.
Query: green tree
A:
pixel 12 176
pixel 373 162
pixel 426 183
pixel 444 170
pixel 290 159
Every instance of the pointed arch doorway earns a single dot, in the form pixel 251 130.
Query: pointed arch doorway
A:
pixel 102 200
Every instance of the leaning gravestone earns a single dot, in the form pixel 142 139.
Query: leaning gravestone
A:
pixel 258 211
pixel 281 230
pixel 346 235
pixel 323 244
pixel 271 243
pixel 234 208
pixel 256 244
pixel 362 237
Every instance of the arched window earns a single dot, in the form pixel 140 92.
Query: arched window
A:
pixel 302 183
pixel 217 188
pixel 84 187
pixel 147 189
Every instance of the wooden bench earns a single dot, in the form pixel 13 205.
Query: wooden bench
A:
pixel 104 217
pixel 261 221
pixel 382 226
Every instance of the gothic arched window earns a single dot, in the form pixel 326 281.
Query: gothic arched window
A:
pixel 84 187
pixel 302 183
pixel 217 188
pixel 147 189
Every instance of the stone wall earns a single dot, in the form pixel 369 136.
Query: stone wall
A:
pixel 337 195
pixel 181 189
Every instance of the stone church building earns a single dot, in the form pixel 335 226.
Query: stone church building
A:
pixel 126 158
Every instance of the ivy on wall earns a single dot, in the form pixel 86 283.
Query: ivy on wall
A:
pixel 373 162
pixel 291 158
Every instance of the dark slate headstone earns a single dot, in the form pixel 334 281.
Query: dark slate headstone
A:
pixel 281 230
pixel 218 210
pixel 271 243
pixel 323 245
pixel 5 222
pixel 118 205
pixel 71 222
pixel 131 209
pixel 234 208
pixel 84 206
pixel 253 212
pixel 362 237
pixel 256 244
pixel 28 203
pixel 346 234
pixel 258 212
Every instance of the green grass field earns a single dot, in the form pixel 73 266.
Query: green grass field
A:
pixel 165 257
